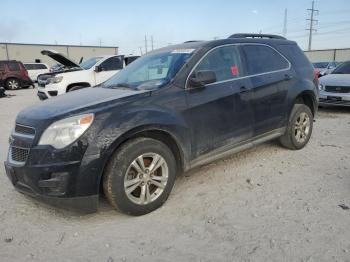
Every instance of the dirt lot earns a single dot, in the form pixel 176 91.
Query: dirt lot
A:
pixel 265 204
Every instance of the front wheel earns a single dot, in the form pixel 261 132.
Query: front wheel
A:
pixel 140 176
pixel 299 128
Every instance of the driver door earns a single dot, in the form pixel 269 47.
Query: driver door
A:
pixel 108 68
pixel 220 113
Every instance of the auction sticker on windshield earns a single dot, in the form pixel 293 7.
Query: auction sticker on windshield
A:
pixel 182 51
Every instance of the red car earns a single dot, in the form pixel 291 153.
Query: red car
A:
pixel 13 75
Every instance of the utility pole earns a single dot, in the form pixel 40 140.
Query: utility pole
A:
pixel 285 22
pixel 311 29
pixel 152 41
pixel 140 50
pixel 145 44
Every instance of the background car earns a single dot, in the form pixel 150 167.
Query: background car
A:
pixel 325 68
pixel 36 69
pixel 335 87
pixel 13 75
pixel 73 76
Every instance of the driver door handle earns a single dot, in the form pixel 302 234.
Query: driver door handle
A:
pixel 243 89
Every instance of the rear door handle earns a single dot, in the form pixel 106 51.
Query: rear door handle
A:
pixel 243 89
pixel 287 77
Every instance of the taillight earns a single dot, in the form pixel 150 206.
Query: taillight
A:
pixel 316 76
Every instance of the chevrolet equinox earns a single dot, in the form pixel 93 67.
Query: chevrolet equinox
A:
pixel 171 110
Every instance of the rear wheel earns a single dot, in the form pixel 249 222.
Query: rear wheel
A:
pixel 12 84
pixel 299 128
pixel 140 176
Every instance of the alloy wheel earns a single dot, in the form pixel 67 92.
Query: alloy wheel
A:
pixel 302 128
pixel 146 178
pixel 13 84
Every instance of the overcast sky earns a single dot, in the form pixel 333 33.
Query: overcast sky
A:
pixel 125 23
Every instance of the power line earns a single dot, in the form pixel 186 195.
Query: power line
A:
pixel 311 29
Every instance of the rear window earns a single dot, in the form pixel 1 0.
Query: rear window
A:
pixel 13 66
pixel 263 59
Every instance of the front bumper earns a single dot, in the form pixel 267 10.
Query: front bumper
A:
pixel 50 90
pixel 334 99
pixel 68 178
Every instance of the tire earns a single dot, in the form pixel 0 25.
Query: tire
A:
pixel 74 88
pixel 299 128
pixel 12 84
pixel 124 183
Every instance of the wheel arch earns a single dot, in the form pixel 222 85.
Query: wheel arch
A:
pixel 84 84
pixel 308 98
pixel 156 133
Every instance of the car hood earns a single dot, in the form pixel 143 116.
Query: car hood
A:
pixel 73 103
pixel 336 80
pixel 60 58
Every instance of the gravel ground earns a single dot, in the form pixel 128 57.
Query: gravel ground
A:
pixel 265 204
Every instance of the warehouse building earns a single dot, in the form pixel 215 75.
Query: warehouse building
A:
pixel 30 53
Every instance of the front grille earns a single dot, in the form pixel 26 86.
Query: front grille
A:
pixel 26 130
pixel 19 154
pixel 338 89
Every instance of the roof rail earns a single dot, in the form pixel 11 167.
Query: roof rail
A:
pixel 192 41
pixel 257 36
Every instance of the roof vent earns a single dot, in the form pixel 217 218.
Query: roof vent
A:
pixel 257 36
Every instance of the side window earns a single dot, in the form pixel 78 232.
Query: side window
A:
pixel 40 66
pixel 2 66
pixel 224 61
pixel 13 66
pixel 262 59
pixel 113 63
pixel 29 66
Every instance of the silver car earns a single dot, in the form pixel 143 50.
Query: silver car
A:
pixel 335 87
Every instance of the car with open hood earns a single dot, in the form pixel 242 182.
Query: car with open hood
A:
pixel 171 110
pixel 73 76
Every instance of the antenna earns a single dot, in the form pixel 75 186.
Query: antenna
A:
pixel 311 29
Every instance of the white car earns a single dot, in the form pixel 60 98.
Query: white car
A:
pixel 90 72
pixel 325 68
pixel 335 87
pixel 36 69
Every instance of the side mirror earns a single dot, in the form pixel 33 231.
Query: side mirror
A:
pixel 98 69
pixel 202 78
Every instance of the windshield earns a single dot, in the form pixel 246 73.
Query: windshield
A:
pixel 87 64
pixel 343 68
pixel 153 70
pixel 321 65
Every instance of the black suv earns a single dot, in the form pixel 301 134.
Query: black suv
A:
pixel 13 75
pixel 171 110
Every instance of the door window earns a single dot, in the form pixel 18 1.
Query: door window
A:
pixel 40 66
pixel 113 63
pixel 2 66
pixel 13 66
pixel 224 61
pixel 262 59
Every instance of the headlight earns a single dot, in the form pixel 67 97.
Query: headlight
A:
pixel 64 132
pixel 55 79
pixel 320 87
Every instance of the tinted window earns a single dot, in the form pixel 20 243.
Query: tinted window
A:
pixel 262 59
pixel 320 65
pixel 224 61
pixel 2 66
pixel 29 66
pixel 113 63
pixel 13 66
pixel 342 69
pixel 40 66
